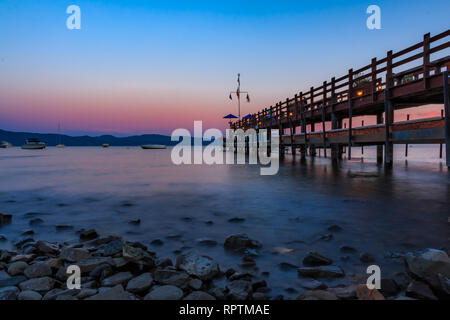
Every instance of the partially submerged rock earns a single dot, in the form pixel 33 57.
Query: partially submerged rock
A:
pixel 203 267
pixel 137 255
pixel 313 259
pixel 428 263
pixel 241 241
pixel 321 272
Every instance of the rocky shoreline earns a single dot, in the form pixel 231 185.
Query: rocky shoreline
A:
pixel 115 269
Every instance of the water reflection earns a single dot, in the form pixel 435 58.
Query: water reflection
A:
pixel 379 211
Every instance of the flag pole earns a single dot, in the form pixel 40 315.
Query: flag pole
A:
pixel 238 93
pixel 239 96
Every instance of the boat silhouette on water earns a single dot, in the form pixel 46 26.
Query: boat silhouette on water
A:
pixel 34 144
pixel 5 144
pixel 154 146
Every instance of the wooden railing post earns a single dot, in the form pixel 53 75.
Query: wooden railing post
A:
pixel 350 112
pixel 323 118
pixel 374 78
pixel 426 59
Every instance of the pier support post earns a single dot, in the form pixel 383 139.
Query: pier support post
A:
pixel 312 148
pixel 380 147
pixel 447 120
pixel 389 119
pixel 303 130
pixel 324 133
pixel 282 148
pixel 334 146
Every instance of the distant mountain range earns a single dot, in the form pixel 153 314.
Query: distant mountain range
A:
pixel 18 139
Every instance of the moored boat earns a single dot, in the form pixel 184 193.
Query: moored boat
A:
pixel 154 146
pixel 105 145
pixel 34 144
pixel 5 144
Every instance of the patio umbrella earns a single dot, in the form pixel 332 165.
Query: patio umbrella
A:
pixel 230 116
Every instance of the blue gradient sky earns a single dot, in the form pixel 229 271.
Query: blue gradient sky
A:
pixel 152 66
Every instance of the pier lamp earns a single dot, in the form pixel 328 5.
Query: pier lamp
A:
pixel 380 87
pixel 290 114
pixel 340 99
pixel 360 93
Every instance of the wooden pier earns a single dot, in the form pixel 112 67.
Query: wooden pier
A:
pixel 415 76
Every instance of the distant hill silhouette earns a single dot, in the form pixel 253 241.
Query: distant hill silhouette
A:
pixel 18 139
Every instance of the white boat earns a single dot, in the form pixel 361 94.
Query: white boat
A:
pixel 5 144
pixel 34 144
pixel 154 146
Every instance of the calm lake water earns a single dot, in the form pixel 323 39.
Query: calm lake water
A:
pixel 380 212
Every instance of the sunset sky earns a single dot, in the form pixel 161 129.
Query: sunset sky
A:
pixel 152 66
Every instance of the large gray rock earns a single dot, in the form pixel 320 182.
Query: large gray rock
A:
pixel 118 278
pixel 86 292
pixel 29 295
pixel 165 293
pixel 38 270
pixel 171 277
pixel 137 255
pixel 110 249
pixel 241 241
pixel 199 295
pixel 47 247
pixel 86 235
pixel 312 284
pixel 239 289
pixel 140 283
pixel 55 293
pixel 38 284
pixel 321 272
pixel 22 257
pixel 4 275
pixel 313 259
pixel 195 284
pixel 12 281
pixel 114 293
pixel 17 268
pixel 202 267
pixel 74 254
pixel 87 265
pixel 420 290
pixel 9 293
pixel 428 263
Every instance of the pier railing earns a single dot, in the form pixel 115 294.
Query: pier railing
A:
pixel 365 84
